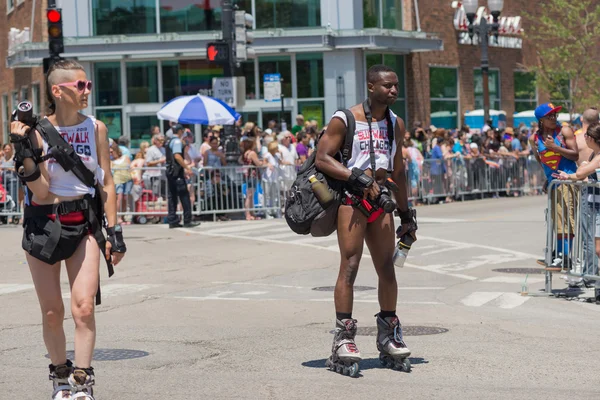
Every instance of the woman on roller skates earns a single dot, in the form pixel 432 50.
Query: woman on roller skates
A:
pixel 64 161
pixel 366 214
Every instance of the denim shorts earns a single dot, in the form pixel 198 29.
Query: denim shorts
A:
pixel 124 188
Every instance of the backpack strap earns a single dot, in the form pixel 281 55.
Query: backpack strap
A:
pixel 390 127
pixel 64 153
pixel 348 142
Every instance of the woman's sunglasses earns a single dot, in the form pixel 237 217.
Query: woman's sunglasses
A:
pixel 79 84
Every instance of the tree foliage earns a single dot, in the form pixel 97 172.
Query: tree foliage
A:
pixel 566 38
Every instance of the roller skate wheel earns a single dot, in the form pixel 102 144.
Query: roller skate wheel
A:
pixel 383 360
pixel 339 369
pixel 353 370
pixel 404 365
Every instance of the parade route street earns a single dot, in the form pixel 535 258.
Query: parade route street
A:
pixel 228 311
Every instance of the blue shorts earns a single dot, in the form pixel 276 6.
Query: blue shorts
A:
pixel 124 188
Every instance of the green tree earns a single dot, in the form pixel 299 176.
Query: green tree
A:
pixel 566 37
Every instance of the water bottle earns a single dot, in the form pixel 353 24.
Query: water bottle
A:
pixel 321 191
pixel 402 248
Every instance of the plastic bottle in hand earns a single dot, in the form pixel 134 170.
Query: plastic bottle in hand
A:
pixel 321 191
pixel 402 248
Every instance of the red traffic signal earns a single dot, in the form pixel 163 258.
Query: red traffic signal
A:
pixel 218 52
pixel 54 16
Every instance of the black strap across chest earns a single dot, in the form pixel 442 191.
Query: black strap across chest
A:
pixel 390 130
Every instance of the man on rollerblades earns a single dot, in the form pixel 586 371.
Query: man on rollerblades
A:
pixel 366 214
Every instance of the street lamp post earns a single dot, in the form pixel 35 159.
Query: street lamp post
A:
pixel 483 31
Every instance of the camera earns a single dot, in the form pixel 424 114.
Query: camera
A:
pixel 24 114
pixel 385 200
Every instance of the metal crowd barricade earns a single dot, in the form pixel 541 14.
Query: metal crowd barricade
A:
pixel 573 227
pixel 434 179
pixel 11 196
pixel 235 189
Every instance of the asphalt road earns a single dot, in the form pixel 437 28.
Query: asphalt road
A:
pixel 229 311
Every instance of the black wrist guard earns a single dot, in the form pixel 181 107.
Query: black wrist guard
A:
pixel 407 218
pixel 359 180
pixel 116 240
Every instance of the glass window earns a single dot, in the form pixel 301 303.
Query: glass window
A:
pixel 443 93
pixel 390 18
pixel 312 110
pixel 10 5
pixel 287 13
pixel 188 77
pixel 142 82
pixel 124 17
pixel 443 83
pixel 249 117
pixel 494 86
pixel 309 70
pixel 24 94
pixel 140 126
pixel 525 91
pixel 246 70
pixel 113 121
pixel 109 92
pixel 183 16
pixel 274 65
pixel 14 99
pixel 371 13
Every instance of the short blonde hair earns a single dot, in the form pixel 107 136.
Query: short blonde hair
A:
pixel 272 146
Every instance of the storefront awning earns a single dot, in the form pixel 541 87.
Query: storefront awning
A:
pixel 267 42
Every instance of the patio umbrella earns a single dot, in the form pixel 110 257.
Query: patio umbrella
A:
pixel 198 109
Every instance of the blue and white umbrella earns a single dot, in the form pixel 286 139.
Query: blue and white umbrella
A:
pixel 198 109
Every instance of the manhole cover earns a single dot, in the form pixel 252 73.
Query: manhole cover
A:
pixel 406 330
pixel 332 288
pixel 523 271
pixel 111 354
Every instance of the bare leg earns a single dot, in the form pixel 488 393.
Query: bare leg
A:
pixel 83 271
pixel 351 227
pixel 380 240
pixel 46 279
pixel 249 202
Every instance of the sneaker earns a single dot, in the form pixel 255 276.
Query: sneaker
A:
pixel 171 226
pixel 191 224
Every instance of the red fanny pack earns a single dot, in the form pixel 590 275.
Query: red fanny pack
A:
pixel 72 218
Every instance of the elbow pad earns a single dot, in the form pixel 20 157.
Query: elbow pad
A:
pixel 359 180
pixel 31 177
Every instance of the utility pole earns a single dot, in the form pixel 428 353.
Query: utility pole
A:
pixel 231 142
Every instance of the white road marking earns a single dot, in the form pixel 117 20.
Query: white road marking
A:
pixel 241 228
pixel 435 220
pixel 453 248
pixel 212 298
pixel 511 279
pixel 511 300
pixel 282 235
pixel 261 284
pixel 477 299
pixel 119 289
pixel 254 293
pixel 311 239
pixel 6 288
pixel 481 246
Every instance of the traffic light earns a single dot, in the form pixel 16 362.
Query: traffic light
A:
pixel 218 52
pixel 243 36
pixel 55 32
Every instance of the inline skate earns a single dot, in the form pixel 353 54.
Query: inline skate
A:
pixel 344 353
pixel 393 352
pixel 81 381
pixel 59 375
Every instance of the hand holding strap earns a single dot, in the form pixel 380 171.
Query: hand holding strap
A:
pixel 116 240
pixel 360 180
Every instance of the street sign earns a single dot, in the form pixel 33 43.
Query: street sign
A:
pixel 272 87
pixel 230 90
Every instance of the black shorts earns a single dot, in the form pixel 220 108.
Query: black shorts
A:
pixel 37 234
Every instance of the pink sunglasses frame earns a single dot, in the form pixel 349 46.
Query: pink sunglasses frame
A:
pixel 88 85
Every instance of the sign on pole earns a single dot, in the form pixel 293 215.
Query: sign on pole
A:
pixel 272 87
pixel 230 90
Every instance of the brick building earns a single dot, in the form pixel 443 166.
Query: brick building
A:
pixel 322 52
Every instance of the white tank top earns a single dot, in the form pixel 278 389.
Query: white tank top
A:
pixel 83 139
pixel 384 157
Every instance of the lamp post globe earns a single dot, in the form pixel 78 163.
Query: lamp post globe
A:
pixel 495 5
pixel 471 6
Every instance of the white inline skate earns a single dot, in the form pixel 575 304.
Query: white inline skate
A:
pixel 59 375
pixel 344 353
pixel 393 352
pixel 81 381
